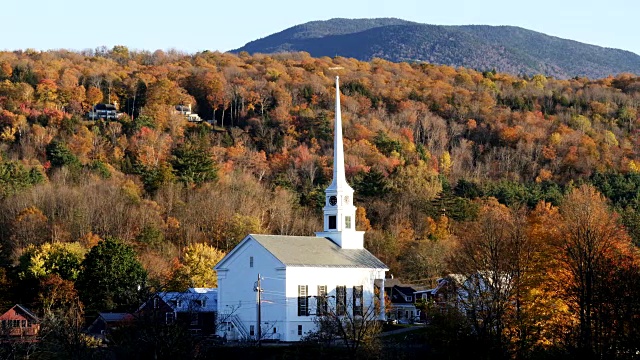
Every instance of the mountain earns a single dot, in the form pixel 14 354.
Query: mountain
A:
pixel 505 48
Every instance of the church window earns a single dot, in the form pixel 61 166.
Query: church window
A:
pixel 357 300
pixel 347 222
pixel 321 305
pixel 341 300
pixel 303 300
pixel 251 261
pixel 332 222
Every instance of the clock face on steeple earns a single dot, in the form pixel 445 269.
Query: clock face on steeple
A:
pixel 333 200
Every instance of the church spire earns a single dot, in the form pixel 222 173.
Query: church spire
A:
pixel 339 212
pixel 339 179
pixel 338 147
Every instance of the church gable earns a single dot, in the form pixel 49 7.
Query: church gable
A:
pixel 249 253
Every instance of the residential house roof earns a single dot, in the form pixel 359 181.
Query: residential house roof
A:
pixel 389 283
pixel 194 299
pixel 202 290
pixel 115 317
pixel 313 251
pixel 105 107
pixel 441 283
pixel 20 309
pixel 401 294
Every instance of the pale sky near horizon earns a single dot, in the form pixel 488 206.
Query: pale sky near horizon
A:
pixel 197 25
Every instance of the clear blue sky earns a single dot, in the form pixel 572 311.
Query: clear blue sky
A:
pixel 195 25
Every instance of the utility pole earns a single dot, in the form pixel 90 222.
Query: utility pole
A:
pixel 258 288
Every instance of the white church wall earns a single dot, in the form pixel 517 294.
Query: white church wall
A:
pixel 331 278
pixel 237 295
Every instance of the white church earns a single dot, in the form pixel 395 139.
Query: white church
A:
pixel 273 286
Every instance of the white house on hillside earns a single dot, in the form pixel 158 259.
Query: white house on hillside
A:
pixel 299 277
pixel 185 110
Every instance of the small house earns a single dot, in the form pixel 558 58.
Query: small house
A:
pixel 186 111
pixel 402 299
pixel 19 323
pixel 108 322
pixel 194 308
pixel 105 112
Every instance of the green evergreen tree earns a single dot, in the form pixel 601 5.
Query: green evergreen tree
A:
pixel 193 165
pixel 59 155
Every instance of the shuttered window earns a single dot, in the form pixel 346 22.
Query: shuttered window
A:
pixel 357 300
pixel 321 304
pixel 341 300
pixel 303 300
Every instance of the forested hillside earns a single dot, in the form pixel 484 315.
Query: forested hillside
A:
pixel 508 49
pixel 442 159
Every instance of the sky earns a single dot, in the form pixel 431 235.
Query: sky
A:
pixel 197 25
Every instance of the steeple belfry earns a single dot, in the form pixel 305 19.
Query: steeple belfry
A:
pixel 339 212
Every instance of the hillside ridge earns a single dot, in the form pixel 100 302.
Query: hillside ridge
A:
pixel 505 48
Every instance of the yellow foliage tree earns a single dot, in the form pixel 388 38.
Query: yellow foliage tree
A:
pixel 196 267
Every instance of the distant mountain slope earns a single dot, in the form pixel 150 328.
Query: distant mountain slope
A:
pixel 506 48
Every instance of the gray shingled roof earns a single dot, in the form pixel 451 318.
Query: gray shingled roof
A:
pixel 115 317
pixel 316 251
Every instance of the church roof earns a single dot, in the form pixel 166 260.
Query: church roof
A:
pixel 316 251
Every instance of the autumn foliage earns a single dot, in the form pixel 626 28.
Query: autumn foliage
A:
pixel 534 177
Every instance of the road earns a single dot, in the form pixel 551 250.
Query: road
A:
pixel 403 330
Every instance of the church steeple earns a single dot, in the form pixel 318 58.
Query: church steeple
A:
pixel 339 179
pixel 339 212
